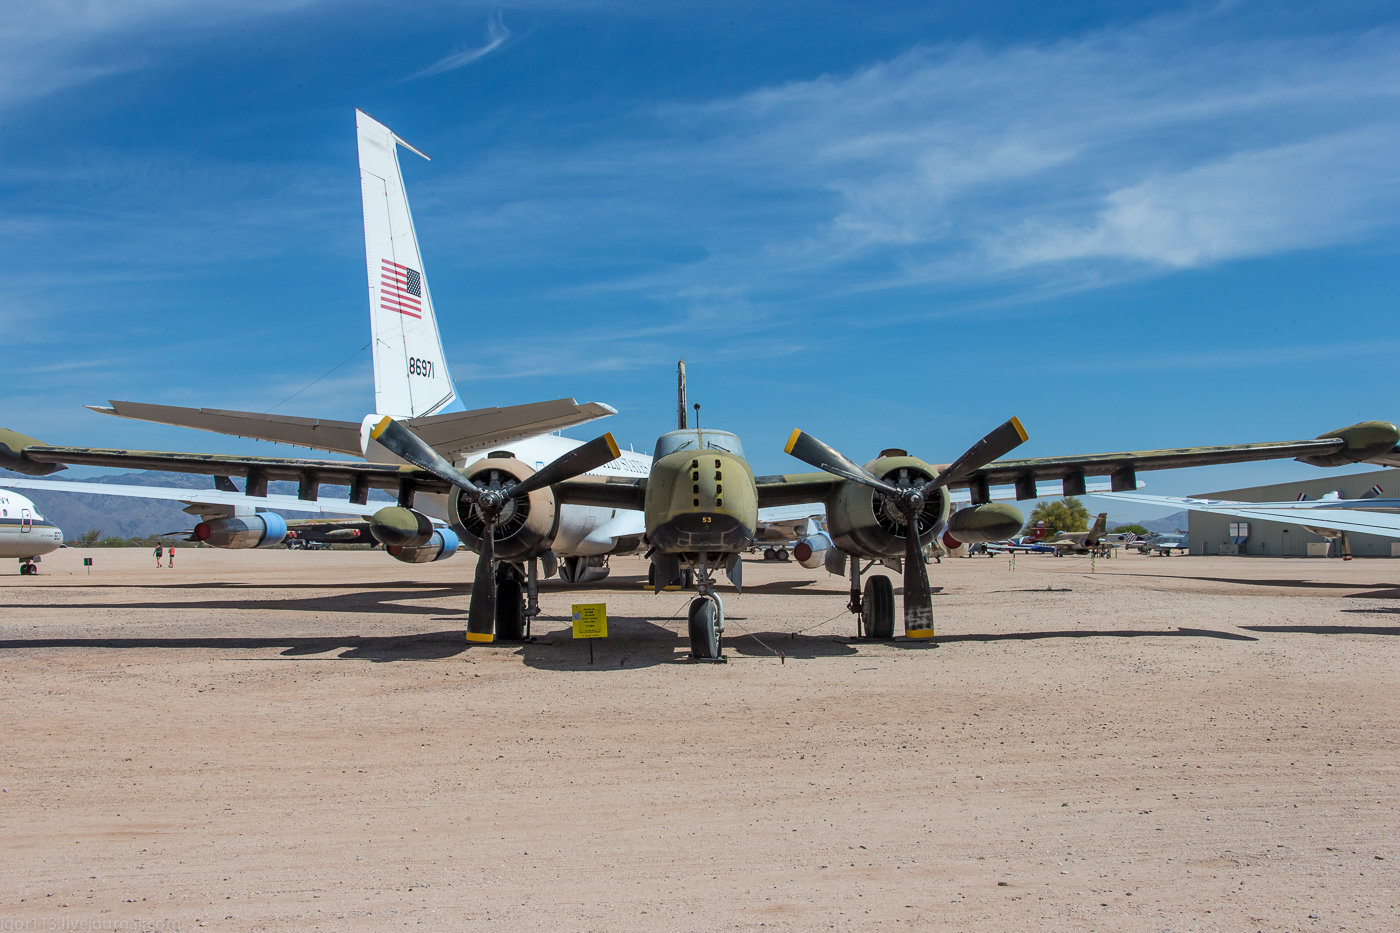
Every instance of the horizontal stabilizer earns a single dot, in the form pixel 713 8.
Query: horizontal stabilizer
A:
pixel 342 437
pixel 448 434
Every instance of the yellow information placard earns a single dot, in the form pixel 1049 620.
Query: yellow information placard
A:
pixel 591 620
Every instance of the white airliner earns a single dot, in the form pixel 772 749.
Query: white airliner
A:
pixel 413 384
pixel 24 533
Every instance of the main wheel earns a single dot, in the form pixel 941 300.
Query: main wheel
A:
pixel 704 629
pixel 879 608
pixel 687 580
pixel 510 610
pixel 783 554
pixel 770 554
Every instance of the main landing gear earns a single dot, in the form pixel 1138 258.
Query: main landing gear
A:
pixel 875 610
pixel 706 617
pixel 513 611
pixel 27 567
pixel 776 553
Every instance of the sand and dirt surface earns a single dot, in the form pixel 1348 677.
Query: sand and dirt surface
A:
pixel 303 740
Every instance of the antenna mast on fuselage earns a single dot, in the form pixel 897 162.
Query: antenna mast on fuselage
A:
pixel 680 394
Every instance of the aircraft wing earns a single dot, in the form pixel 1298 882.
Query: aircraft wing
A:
pixel 1006 472
pixel 195 497
pixel 309 474
pixel 1318 514
pixel 801 489
pixel 450 434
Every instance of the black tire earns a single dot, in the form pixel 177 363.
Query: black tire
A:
pixel 783 554
pixel 704 629
pixel 651 575
pixel 879 608
pixel 510 610
pixel 770 554
pixel 687 580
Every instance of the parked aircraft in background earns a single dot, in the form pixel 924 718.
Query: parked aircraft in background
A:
pixel 1330 516
pixel 1080 542
pixel 24 533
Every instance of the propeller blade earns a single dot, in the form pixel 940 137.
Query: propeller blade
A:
pixel 481 611
pixel 590 456
pixel 823 456
pixel 918 601
pixel 1001 441
pixel 403 442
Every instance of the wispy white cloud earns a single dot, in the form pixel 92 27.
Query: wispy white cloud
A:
pixel 48 45
pixel 496 34
pixel 1169 144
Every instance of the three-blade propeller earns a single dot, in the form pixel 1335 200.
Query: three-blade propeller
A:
pixel 909 501
pixel 490 502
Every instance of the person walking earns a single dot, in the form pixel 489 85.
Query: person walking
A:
pixel 170 558
pixel 160 552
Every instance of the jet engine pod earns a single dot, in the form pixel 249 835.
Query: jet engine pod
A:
pixel 265 529
pixel 527 525
pixel 395 526
pixel 811 551
pixel 860 520
pixel 441 545
pixel 982 524
pixel 1363 441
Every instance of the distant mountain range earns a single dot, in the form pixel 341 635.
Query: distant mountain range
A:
pixel 1167 524
pixel 128 517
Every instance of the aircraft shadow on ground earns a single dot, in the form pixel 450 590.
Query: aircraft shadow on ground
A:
pixel 1380 590
pixel 1333 629
pixel 637 642
pixel 1102 633
pixel 379 602
pixel 426 646
pixel 464 586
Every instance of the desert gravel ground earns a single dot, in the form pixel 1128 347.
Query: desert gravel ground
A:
pixel 303 740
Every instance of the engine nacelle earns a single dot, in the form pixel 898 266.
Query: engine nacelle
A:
pixel 584 569
pixel 811 550
pixel 12 457
pixel 265 529
pixel 395 526
pixel 526 527
pixel 441 544
pixel 983 524
pixel 860 521
pixel 1363 441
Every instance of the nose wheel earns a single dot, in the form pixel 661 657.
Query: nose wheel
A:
pixel 706 618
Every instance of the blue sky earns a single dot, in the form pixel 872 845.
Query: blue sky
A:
pixel 1133 225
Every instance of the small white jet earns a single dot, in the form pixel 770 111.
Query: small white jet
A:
pixel 24 533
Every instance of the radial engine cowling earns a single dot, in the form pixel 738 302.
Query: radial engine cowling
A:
pixel 265 529
pixel 441 544
pixel 811 551
pixel 861 521
pixel 983 524
pixel 395 526
pixel 528 524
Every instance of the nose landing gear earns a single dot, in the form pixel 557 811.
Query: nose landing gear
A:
pixel 706 617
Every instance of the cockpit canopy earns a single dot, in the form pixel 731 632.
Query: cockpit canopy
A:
pixel 706 439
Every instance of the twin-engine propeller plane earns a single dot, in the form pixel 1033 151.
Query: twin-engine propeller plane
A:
pixel 701 502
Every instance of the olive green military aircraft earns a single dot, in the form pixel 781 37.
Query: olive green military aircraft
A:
pixel 1079 542
pixel 701 503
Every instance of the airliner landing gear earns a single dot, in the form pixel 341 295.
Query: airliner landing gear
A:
pixel 706 617
pixel 510 603
pixel 27 566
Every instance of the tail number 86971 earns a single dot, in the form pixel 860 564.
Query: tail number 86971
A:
pixel 417 367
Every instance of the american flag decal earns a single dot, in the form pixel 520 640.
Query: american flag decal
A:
pixel 400 289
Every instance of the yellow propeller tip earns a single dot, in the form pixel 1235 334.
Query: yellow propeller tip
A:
pixel 612 445
pixel 381 427
pixel 792 440
pixel 1020 429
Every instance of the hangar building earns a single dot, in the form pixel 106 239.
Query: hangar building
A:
pixel 1211 534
